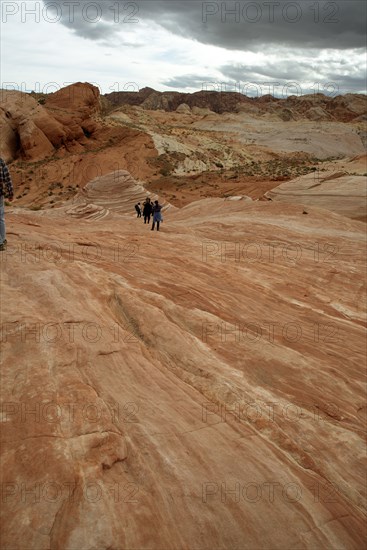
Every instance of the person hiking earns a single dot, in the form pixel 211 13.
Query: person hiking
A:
pixel 157 216
pixel 6 190
pixel 147 210
pixel 138 210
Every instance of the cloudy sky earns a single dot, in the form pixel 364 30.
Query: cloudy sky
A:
pixel 253 47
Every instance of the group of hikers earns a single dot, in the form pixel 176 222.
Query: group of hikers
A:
pixel 150 209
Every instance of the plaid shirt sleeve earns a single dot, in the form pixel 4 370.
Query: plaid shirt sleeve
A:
pixel 5 180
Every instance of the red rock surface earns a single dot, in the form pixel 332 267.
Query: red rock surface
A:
pixel 67 122
pixel 200 387
pixel 42 129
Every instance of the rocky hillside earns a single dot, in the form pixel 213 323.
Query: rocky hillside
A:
pixel 187 146
pixel 312 107
pixel 57 143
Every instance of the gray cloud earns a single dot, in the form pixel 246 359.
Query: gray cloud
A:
pixel 339 24
pixel 188 81
pixel 288 77
pixel 352 84
pixel 294 69
pixel 314 41
pixel 233 25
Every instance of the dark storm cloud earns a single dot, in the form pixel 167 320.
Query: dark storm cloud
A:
pixel 241 25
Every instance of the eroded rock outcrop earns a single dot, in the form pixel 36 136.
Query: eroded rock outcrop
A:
pixel 34 131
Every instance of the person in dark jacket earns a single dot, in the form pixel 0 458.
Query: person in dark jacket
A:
pixel 147 210
pixel 157 216
pixel 6 190
pixel 138 210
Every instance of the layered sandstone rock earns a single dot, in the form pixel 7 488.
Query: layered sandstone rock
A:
pixel 33 141
pixel 65 118
pixel 9 138
pixel 114 192
pixel 72 138
pixel 32 129
pixel 200 387
pixel 336 191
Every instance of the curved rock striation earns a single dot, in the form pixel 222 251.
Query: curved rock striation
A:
pixel 200 387
pixel 336 191
pixel 116 192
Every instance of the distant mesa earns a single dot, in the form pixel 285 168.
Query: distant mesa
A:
pixel 313 107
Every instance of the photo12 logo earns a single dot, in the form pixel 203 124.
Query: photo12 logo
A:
pixel 269 331
pixel 54 491
pixel 70 11
pixel 251 412
pixel 55 253
pixel 270 12
pixel 67 332
pixel 52 412
pixel 268 491
pixel 248 251
pixel 274 88
pixel 52 87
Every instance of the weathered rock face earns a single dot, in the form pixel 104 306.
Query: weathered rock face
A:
pixel 20 132
pixel 66 143
pixel 33 141
pixel 33 131
pixel 200 387
pixel 81 97
pixel 9 141
pixel 69 140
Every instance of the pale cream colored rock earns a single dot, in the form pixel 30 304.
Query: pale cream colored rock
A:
pixel 183 108
pixel 201 111
pixel 336 191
